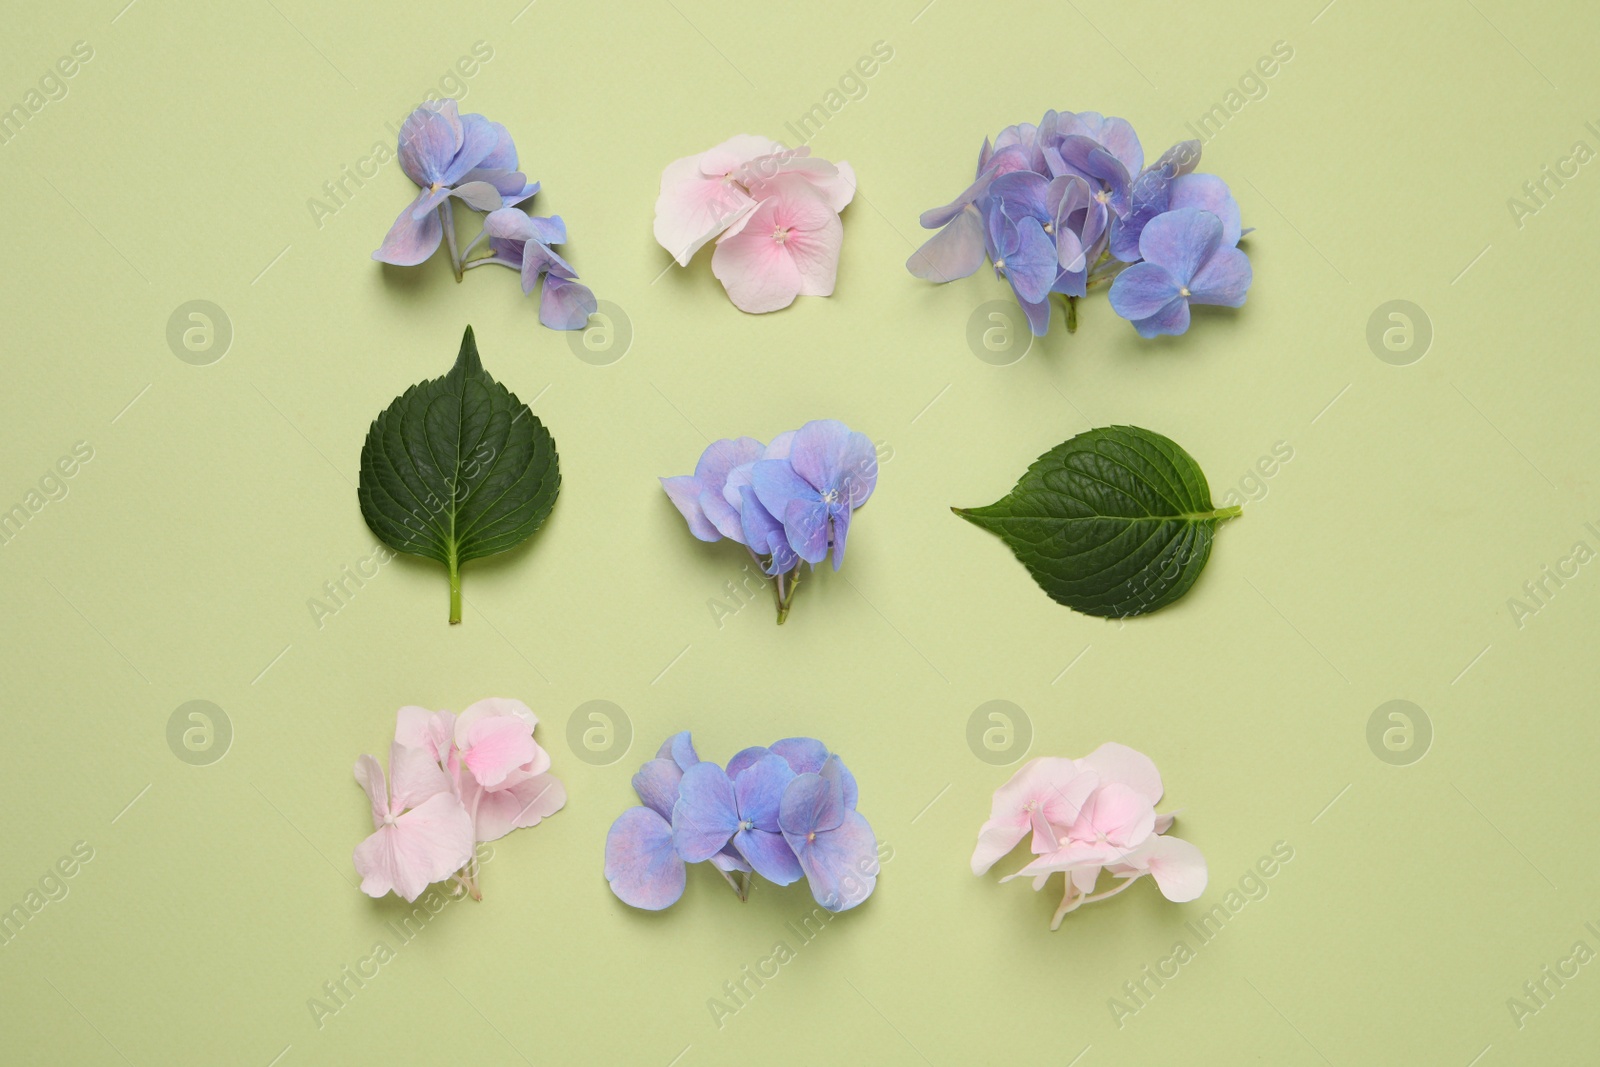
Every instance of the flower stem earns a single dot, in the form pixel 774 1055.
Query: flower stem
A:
pixel 1070 903
pixel 1072 314
pixel 447 218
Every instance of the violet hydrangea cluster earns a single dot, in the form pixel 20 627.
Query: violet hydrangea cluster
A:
pixel 788 502
pixel 784 811
pixel 1068 204
pixel 1087 817
pixel 451 156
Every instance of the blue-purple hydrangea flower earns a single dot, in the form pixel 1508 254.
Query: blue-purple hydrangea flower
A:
pixel 1061 206
pixel 468 158
pixel 785 811
pixel 787 502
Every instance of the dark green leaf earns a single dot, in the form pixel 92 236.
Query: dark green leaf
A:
pixel 1115 522
pixel 457 468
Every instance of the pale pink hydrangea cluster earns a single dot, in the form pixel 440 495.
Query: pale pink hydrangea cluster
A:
pixel 773 211
pixel 1090 816
pixel 454 780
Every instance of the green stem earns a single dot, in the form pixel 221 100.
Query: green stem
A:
pixel 1072 314
pixel 455 592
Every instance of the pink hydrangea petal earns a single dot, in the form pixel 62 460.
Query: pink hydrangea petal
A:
pixel 757 272
pixel 421 847
pixel 1178 868
pixel 693 208
pixel 414 776
pixel 1119 763
pixel 369 773
pixel 525 803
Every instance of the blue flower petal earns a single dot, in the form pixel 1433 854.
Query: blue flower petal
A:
pixel 841 864
pixel 643 868
pixel 758 791
pixel 680 749
pixel 1142 290
pixel 566 305
pixel 954 252
pixel 769 855
pixel 657 785
pixel 1224 279
pixel 705 817
pixel 1172 319
pixel 1181 241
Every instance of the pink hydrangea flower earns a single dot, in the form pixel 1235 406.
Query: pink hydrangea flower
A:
pixel 773 210
pixel 457 780
pixel 1090 816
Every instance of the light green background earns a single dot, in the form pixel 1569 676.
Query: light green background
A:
pixel 1377 167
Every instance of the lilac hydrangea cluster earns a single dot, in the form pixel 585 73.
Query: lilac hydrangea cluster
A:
pixel 1069 204
pixel 783 811
pixel 788 502
pixel 468 158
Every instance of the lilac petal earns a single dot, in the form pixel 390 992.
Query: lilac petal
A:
pixel 429 138
pixel 1142 290
pixel 411 241
pixel 1038 314
pixel 565 304
pixel 1070 253
pixel 547 230
pixel 1208 193
pixel 813 803
pixel 1070 282
pixel 480 140
pixel 503 156
pixel 643 868
pixel 841 864
pixel 1224 279
pixel 704 818
pixel 480 196
pixel 758 791
pixel 824 451
pixel 729 860
pixel 841 531
pixel 684 492
pixel 805 755
pixel 765 534
pixel 954 252
pixel 1022 194
pixel 1172 319
pixel 717 462
pixel 680 749
pixel 657 785
pixel 805 523
pixel 776 484
pixel 1093 160
pixel 1149 197
pixel 1181 241
pixel 1032 265
pixel 511 224
pixel 769 854
pixel 744 758
pixel 428 203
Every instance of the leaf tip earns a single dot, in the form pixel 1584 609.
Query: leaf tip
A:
pixel 467 361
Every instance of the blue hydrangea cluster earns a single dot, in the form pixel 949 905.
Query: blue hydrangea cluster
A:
pixel 1068 204
pixel 788 502
pixel 785 811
